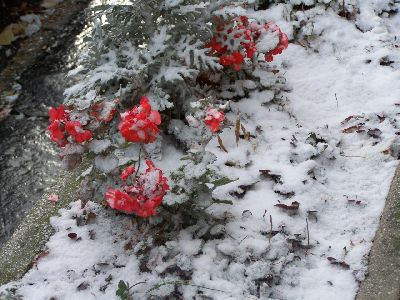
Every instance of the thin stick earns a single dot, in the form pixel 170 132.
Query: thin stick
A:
pixel 140 152
pixel 243 239
pixel 308 236
pixel 141 282
pixel 270 232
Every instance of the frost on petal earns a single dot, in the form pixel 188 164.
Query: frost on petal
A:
pixel 213 119
pixel 139 125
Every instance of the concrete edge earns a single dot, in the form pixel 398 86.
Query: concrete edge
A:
pixel 383 278
pixel 18 253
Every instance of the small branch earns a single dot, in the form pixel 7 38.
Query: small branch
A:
pixel 243 239
pixel 139 159
pixel 221 145
pixel 308 236
pixel 270 232
pixel 141 282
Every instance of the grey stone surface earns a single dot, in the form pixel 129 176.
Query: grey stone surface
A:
pixel 383 278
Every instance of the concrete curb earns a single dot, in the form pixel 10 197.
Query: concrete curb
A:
pixel 17 255
pixel 383 278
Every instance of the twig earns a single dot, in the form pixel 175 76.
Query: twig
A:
pixel 352 156
pixel 221 145
pixel 308 236
pixel 141 282
pixel 243 239
pixel 140 152
pixel 270 232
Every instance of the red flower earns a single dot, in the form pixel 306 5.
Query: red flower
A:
pixel 282 44
pixel 121 201
pixel 213 119
pixel 140 123
pixel 61 127
pixel 152 186
pixel 236 59
pixel 127 172
pixel 144 197
pixel 58 117
pixel 248 34
pixel 58 114
pixel 215 46
pixel 57 135
pixel 74 129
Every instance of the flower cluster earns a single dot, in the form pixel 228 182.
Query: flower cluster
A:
pixel 238 38
pixel 139 125
pixel 61 127
pixel 143 195
pixel 140 194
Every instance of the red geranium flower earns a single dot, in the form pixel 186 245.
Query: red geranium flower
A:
pixel 213 119
pixel 74 129
pixel 121 201
pixel 237 38
pixel 282 44
pixel 127 172
pixel 61 127
pixel 144 196
pixel 152 186
pixel 234 59
pixel 58 117
pixel 215 46
pixel 56 129
pixel 140 123
pixel 58 114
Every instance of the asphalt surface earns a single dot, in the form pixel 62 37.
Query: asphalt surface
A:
pixel 28 160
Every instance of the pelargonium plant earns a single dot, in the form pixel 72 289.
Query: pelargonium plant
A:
pixel 104 124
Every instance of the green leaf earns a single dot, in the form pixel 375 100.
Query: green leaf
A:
pixel 123 290
pixel 222 181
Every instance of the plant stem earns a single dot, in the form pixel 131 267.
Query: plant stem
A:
pixel 139 159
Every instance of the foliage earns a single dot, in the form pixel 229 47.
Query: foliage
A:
pixel 159 53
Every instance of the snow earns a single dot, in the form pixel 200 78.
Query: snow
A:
pixel 308 153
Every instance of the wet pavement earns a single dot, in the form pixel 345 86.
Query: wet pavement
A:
pixel 28 160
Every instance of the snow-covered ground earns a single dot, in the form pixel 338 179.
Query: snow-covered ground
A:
pixel 325 153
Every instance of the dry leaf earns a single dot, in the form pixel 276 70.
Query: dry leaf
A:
pixel 220 144
pixel 294 206
pixel 351 129
pixel 237 129
pixel 246 134
pixel 340 263
pixel 11 33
